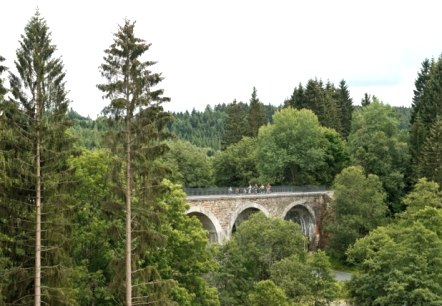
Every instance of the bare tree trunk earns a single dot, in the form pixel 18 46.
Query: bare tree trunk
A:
pixel 128 215
pixel 37 286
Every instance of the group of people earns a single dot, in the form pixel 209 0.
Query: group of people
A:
pixel 249 190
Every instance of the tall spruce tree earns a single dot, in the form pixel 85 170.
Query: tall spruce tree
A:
pixel 34 191
pixel 236 123
pixel 297 99
pixel 138 120
pixel 430 159
pixel 2 87
pixel 323 100
pixel 256 117
pixel 345 107
pixel 426 107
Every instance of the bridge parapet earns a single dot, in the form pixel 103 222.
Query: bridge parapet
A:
pixel 246 190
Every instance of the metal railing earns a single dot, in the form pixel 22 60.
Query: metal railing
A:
pixel 246 190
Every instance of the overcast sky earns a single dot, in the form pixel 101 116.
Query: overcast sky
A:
pixel 213 52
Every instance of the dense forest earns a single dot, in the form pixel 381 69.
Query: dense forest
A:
pixel 92 212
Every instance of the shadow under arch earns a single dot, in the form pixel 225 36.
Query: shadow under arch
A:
pixel 210 223
pixel 242 213
pixel 305 216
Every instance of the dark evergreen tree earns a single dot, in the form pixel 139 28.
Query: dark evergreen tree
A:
pixel 297 99
pixel 256 117
pixel 430 161
pixel 325 101
pixel 35 189
pixel 420 85
pixel 345 107
pixel 315 98
pixel 332 118
pixel 4 236
pixel 236 123
pixel 203 129
pixel 426 107
pixel 2 87
pixel 137 121
pixel 366 100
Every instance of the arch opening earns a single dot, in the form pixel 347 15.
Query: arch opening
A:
pixel 301 215
pixel 243 216
pixel 207 225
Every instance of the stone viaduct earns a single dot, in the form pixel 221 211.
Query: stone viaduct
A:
pixel 222 214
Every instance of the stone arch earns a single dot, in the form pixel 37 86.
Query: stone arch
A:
pixel 209 221
pixel 305 216
pixel 242 213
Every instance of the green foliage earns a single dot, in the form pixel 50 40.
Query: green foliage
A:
pixel 88 133
pixel 34 135
pixel 377 144
pixel 266 293
pixel 2 87
pixel 236 165
pixel 186 255
pixel 266 263
pixel 324 287
pixel 345 108
pixel 404 116
pixel 256 116
pixel 426 109
pixel 137 127
pixel 430 160
pixel 400 264
pixel 295 149
pixel 95 243
pixel 258 243
pixel 181 256
pixel 306 280
pixel 190 165
pixel 203 129
pixel 358 207
pixel 291 149
pixel 236 125
pixel 425 193
pixel 336 157
pixel 332 105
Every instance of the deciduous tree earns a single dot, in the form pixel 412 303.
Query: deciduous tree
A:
pixel 295 149
pixel 358 207
pixel 236 165
pixel 246 259
pixel 400 264
pixel 189 164
pixel 377 144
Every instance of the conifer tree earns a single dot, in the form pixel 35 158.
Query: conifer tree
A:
pixel 35 189
pixel 430 161
pixel 256 117
pixel 426 107
pixel 138 121
pixel 236 123
pixel 2 87
pixel 297 99
pixel 345 106
pixel 321 99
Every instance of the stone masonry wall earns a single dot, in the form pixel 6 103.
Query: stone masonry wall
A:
pixel 227 208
